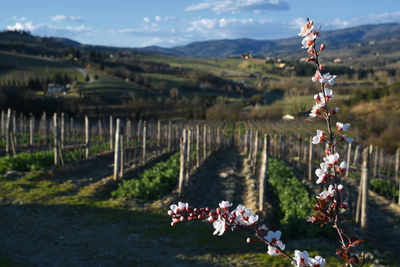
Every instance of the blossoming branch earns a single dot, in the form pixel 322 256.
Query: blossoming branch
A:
pixel 329 204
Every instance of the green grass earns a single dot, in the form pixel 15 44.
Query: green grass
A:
pixel 42 160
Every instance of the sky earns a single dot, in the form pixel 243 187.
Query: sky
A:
pixel 169 23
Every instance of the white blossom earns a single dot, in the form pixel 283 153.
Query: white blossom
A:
pixel 318 261
pixel 327 193
pixel 327 78
pixel 342 127
pixel 225 204
pixel 219 226
pixel 300 258
pixel 273 251
pixel 322 173
pixel 318 138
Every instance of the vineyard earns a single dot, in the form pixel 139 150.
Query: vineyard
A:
pixel 95 191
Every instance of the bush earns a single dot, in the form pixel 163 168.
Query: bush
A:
pixel 152 183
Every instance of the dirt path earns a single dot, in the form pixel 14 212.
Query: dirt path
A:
pixel 384 224
pixel 221 178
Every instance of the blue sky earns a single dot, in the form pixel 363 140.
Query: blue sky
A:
pixel 133 23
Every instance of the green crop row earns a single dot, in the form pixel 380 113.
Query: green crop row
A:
pixel 295 202
pixel 42 160
pixel 384 188
pixel 152 183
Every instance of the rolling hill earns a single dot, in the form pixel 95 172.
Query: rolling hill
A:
pixel 384 36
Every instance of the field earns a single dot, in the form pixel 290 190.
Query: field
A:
pixel 79 214
pixel 87 176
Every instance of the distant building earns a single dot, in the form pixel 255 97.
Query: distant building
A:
pixel 246 56
pixel 287 117
pixel 54 89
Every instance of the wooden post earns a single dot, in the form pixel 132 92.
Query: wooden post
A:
pixel 117 151
pixel 21 124
pixel 144 143
pixel 158 136
pixel 128 132
pixel 358 207
pixel 188 154
pixel 356 152
pixel 249 152
pixel 348 159
pixel 31 130
pixel 310 154
pixel 246 137
pixel 299 148
pixel 72 129
pixel 87 137
pixel 255 151
pixel 204 142
pixel 365 187
pixel 62 137
pixel 121 149
pixel 14 128
pixel 182 162
pixel 263 171
pixel 380 166
pixel 56 141
pixel 100 130
pixel 197 146
pixel 169 135
pixel 44 120
pixel 8 122
pixel 376 161
pixel 111 132
pixel 396 169
pixel 218 139
pixel 139 130
pixel 3 123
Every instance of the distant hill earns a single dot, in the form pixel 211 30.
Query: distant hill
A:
pixel 387 36
pixel 336 39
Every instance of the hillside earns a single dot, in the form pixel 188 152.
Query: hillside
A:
pixel 386 37
pixel 384 34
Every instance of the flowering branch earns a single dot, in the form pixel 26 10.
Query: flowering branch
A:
pixel 242 218
pixel 329 204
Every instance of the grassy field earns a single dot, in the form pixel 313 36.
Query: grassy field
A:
pixel 27 66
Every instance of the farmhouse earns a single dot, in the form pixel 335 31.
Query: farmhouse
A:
pixel 54 89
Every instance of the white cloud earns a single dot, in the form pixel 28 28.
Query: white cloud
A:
pixel 146 19
pixel 64 18
pixel 19 18
pixel 43 29
pixel 157 18
pixel 22 26
pixel 236 6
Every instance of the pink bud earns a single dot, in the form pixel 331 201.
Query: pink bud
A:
pixel 182 219
pixel 249 240
pixel 170 212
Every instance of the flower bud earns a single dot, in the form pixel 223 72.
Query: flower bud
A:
pixel 322 47
pixel 249 240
